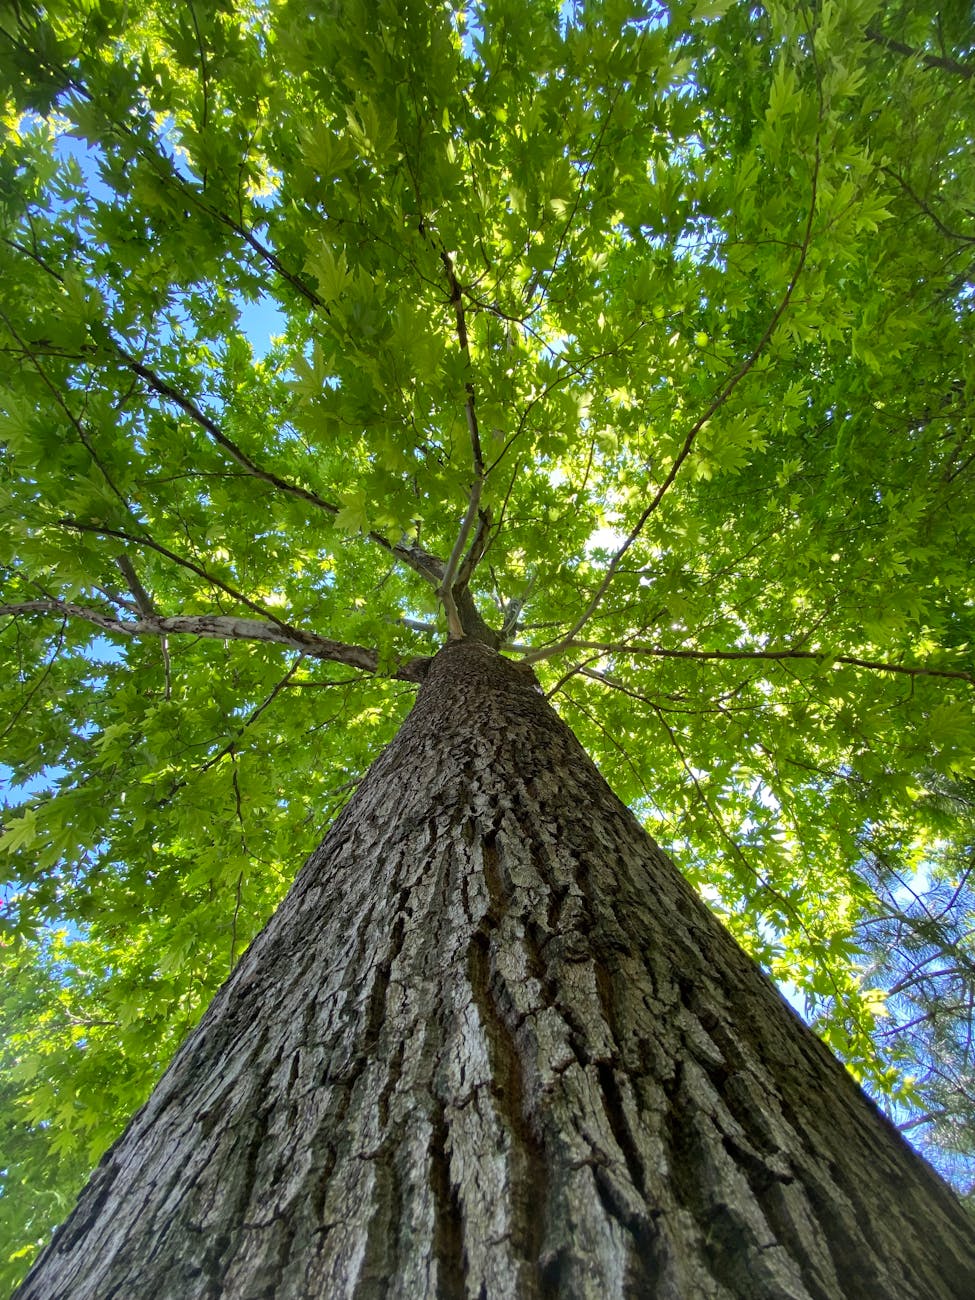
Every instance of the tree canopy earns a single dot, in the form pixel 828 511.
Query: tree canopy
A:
pixel 636 339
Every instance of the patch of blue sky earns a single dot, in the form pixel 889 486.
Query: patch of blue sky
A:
pixel 13 792
pixel 261 322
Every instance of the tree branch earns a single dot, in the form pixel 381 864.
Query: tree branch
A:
pixel 145 607
pixel 60 401
pixel 255 714
pixel 920 203
pixel 165 170
pixel 719 399
pixel 142 598
pixel 570 372
pixel 100 530
pixel 222 627
pixel 162 388
pixel 660 652
pixel 475 551
pixel 929 60
pixel 428 566
pixel 454 583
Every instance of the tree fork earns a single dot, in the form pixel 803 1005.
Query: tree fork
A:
pixel 492 1044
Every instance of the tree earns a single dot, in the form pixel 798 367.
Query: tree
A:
pixel 635 343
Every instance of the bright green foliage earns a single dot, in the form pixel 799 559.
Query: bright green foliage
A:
pixel 655 325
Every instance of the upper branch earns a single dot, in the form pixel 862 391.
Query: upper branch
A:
pixel 928 212
pixel 719 399
pixel 166 171
pixel 430 567
pixel 929 60
pixel 457 573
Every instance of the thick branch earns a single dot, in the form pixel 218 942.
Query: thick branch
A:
pixel 142 598
pixel 145 606
pixel 222 627
pixel 475 551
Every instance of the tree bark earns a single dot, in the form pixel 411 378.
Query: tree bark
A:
pixel 492 1045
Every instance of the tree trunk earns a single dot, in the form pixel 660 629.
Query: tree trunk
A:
pixel 492 1045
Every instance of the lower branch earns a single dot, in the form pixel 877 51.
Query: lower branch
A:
pixel 223 627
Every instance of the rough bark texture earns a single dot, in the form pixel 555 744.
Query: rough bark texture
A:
pixel 492 1045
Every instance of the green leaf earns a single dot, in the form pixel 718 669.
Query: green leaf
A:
pixel 20 833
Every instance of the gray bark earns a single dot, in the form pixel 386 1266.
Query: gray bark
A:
pixel 492 1045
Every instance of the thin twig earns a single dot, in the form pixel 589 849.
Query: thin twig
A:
pixel 929 60
pixel 255 714
pixel 928 212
